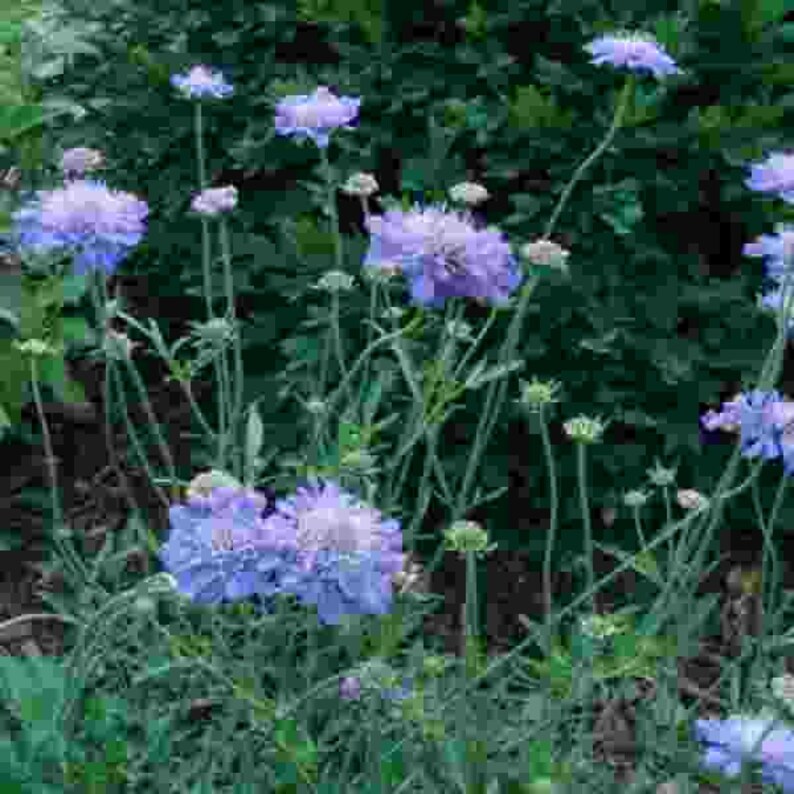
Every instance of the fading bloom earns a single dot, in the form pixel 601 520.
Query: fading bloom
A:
pixel 732 742
pixel 443 255
pixel 545 253
pixel 346 553
pixel 315 116
pixel 102 225
pixel 75 162
pixel 220 547
pixel 202 82
pixel 470 193
pixel 774 175
pixel 361 184
pixel 215 200
pixel 637 52
pixel 690 499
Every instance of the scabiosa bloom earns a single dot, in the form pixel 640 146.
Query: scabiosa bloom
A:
pixel 220 547
pixel 774 175
pixel 637 52
pixel 75 162
pixel 103 225
pixel 347 554
pixel 443 255
pixel 776 249
pixel 202 82
pixel 215 200
pixel 315 116
pixel 729 743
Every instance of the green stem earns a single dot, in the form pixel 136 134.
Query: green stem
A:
pixel 549 456
pixel 586 525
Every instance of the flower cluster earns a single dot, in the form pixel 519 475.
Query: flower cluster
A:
pixel 102 225
pixel 729 743
pixel 320 545
pixel 766 421
pixel 443 255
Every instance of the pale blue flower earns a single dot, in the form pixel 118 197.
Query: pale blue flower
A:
pixel 637 52
pixel 443 255
pixel 201 82
pixel 75 162
pixel 315 116
pixel 100 225
pixel 774 175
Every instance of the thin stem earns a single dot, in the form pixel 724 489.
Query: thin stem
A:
pixel 586 526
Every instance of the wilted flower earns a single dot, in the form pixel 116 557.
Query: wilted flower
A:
pixel 220 547
pixel 411 579
pixel 637 52
pixel 101 224
pixel 774 175
pixel 732 742
pixel 75 162
pixel 202 82
pixel 443 255
pixel 347 553
pixel 584 430
pixel 690 499
pixel 335 281
pixel 215 200
pixel 469 193
pixel 361 184
pixel 315 116
pixel 545 253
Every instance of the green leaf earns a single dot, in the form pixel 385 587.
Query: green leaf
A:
pixel 18 119
pixel 254 438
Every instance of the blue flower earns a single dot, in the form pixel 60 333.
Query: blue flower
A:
pixel 634 51
pixel 730 743
pixel 443 255
pixel 99 224
pixel 774 175
pixel 202 82
pixel 221 549
pixel 315 116
pixel 347 555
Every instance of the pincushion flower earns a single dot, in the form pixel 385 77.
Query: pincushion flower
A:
pixel 316 115
pixel 100 224
pixel 443 255
pixel 202 82
pixel 215 200
pixel 220 547
pixel 75 162
pixel 637 52
pixel 732 742
pixel 347 555
pixel 774 175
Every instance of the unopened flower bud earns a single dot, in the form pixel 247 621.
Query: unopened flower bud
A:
pixel 584 430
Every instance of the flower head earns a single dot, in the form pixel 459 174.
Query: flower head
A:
pixel 583 429
pixel 101 224
pixel 315 116
pixel 634 51
pixel 350 688
pixel 346 553
pixel 470 193
pixel 545 254
pixel 75 162
pixel 690 499
pixel 215 200
pixel 220 548
pixel 774 175
pixel 361 184
pixel 202 82
pixel 536 393
pixel 729 743
pixel 443 255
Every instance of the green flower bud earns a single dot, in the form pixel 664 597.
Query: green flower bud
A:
pixel 584 430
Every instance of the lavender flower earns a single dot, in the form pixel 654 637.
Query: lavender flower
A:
pixel 221 548
pixel 315 116
pixel 774 175
pixel 350 688
pixel 101 224
pixel 443 255
pixel 215 200
pixel 347 555
pixel 75 162
pixel 634 51
pixel 729 743
pixel 202 82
